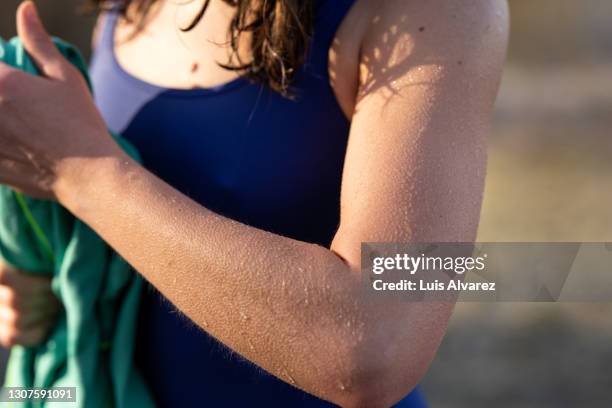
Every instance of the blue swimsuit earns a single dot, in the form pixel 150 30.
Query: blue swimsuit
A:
pixel 247 153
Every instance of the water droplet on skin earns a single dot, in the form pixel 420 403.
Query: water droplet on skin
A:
pixel 289 377
pixel 244 317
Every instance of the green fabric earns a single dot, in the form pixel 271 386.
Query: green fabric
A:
pixel 91 346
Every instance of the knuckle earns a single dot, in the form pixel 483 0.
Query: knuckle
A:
pixel 13 319
pixel 70 68
pixel 9 82
pixel 75 78
pixel 10 299
pixel 12 336
pixel 8 337
pixel 7 280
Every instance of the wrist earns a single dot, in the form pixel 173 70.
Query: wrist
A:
pixel 79 181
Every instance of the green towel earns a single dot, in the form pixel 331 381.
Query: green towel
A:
pixel 91 346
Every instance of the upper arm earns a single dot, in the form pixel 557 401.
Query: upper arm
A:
pixel 416 158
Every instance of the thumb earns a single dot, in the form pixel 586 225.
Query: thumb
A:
pixel 37 41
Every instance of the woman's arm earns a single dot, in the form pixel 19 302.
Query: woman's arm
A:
pixel 414 172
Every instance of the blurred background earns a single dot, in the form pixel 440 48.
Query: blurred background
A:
pixel 549 179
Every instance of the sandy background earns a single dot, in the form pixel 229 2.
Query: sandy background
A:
pixel 549 179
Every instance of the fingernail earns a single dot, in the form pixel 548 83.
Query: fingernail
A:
pixel 30 13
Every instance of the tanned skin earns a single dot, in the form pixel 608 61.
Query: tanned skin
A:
pixel 418 80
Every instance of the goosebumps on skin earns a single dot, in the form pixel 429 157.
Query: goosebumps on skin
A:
pixel 427 78
pixel 414 172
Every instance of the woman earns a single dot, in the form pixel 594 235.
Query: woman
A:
pixel 264 173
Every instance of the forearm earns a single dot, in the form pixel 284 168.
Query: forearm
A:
pixel 413 172
pixel 289 306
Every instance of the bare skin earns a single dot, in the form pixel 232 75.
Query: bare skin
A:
pixel 417 78
pixel 27 307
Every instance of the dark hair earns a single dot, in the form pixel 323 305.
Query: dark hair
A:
pixel 279 30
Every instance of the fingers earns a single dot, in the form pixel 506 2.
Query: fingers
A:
pixel 22 317
pixel 41 298
pixel 38 43
pixel 10 336
pixel 23 283
pixel 28 308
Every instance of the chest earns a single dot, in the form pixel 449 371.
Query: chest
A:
pixel 162 54
pixel 237 147
pixel 242 151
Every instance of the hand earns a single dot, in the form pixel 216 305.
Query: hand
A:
pixel 49 125
pixel 28 308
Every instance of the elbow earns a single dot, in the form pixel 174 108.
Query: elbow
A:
pixel 378 379
pixel 381 390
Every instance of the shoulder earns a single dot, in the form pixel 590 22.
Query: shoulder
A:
pixel 383 40
pixel 427 30
pixel 451 20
